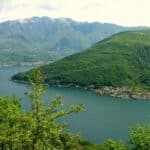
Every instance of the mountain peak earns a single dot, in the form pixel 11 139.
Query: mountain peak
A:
pixel 52 38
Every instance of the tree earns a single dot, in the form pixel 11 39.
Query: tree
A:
pixel 37 129
pixel 111 144
pixel 140 137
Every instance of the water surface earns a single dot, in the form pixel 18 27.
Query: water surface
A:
pixel 104 117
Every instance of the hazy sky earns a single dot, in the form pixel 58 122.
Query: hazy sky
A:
pixel 124 12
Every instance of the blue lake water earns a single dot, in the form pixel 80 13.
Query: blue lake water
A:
pixel 104 117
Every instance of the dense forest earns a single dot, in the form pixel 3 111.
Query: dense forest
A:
pixel 121 60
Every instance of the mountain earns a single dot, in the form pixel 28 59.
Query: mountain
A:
pixel 120 60
pixel 46 39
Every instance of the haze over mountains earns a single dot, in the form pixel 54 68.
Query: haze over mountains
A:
pixel 46 39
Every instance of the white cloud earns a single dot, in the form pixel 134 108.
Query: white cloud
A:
pixel 125 12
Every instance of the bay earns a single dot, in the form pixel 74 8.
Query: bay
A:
pixel 103 117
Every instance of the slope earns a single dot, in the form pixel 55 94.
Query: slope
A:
pixel 46 39
pixel 118 61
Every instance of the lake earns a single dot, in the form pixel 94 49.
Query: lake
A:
pixel 104 117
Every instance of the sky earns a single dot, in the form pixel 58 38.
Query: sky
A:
pixel 122 12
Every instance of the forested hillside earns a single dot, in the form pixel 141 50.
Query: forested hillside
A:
pixel 45 39
pixel 121 60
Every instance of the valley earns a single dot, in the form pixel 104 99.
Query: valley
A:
pixel 53 68
pixel 46 39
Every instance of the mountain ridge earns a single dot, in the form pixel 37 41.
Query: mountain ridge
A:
pixel 46 39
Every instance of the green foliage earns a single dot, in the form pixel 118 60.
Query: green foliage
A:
pixel 139 140
pixel 45 39
pixel 140 137
pixel 39 128
pixel 14 125
pixel 122 60
pixel 114 145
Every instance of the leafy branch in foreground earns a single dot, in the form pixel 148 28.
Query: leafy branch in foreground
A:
pixel 37 129
pixel 46 130
pixel 40 129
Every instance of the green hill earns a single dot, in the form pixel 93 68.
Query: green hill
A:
pixel 45 39
pixel 121 60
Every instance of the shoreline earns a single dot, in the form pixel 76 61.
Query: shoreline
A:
pixel 123 93
pixel 22 64
pixel 117 92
